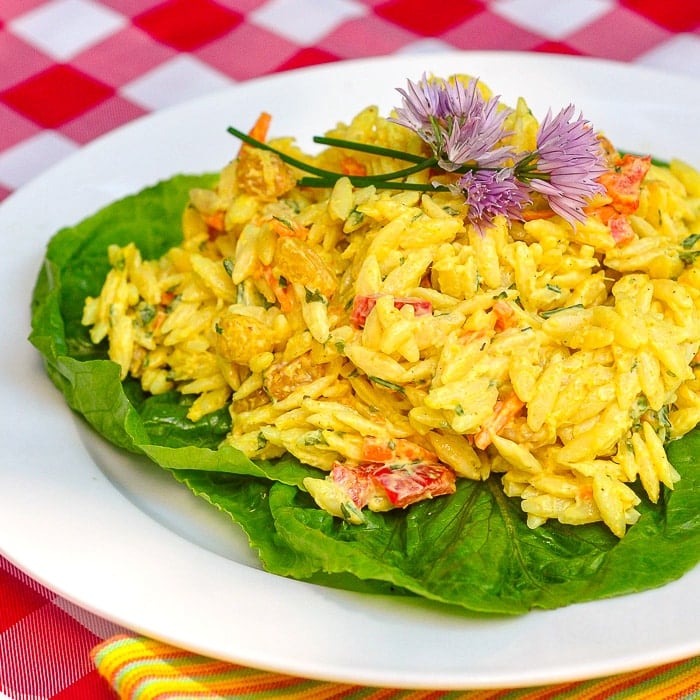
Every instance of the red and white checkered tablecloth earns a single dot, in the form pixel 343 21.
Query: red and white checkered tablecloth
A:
pixel 71 70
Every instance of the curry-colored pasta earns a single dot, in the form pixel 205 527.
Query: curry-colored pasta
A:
pixel 336 323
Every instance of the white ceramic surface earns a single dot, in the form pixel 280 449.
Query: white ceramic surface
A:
pixel 117 536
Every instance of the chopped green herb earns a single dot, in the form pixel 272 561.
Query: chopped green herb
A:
pixel 228 266
pixel 641 404
pixel 663 417
pixel 147 312
pixel 351 513
pixel 315 437
pixel 284 222
pixel 355 219
pixel 690 241
pixel 387 384
pixel 689 256
pixel 315 296
pixel 553 312
pixel 293 205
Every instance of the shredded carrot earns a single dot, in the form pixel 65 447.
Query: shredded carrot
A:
pixel 504 412
pixel 505 316
pixel 261 127
pixel 159 319
pixel 397 450
pixel 351 166
pixel 166 298
pixel 259 130
pixel 288 229
pixel 215 221
pixel 282 293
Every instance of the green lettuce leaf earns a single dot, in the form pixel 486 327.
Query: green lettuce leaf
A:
pixel 472 550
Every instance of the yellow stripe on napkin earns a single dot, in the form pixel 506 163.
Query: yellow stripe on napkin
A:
pixel 144 669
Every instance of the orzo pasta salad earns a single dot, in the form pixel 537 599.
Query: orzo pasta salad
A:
pixel 457 293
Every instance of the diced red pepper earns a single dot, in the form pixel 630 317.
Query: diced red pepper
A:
pixel 621 229
pixel 623 183
pixel 402 484
pixel 364 303
pixel 409 483
pixel 356 481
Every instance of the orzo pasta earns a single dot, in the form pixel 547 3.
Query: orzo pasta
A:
pixel 385 336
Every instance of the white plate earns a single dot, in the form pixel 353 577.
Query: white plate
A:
pixel 116 536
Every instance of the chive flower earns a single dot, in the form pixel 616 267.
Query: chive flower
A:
pixel 566 164
pixel 492 193
pixel 468 139
pixel 456 121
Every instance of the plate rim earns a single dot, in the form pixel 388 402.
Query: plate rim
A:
pixel 454 681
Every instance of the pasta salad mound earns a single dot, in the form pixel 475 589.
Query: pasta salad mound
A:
pixel 459 290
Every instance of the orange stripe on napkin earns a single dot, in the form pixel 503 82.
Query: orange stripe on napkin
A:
pixel 144 669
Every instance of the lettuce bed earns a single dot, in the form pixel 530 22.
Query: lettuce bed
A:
pixel 471 550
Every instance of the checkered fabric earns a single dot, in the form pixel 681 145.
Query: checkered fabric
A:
pixel 71 70
pixel 45 643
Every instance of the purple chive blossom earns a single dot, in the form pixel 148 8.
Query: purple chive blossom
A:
pixel 474 127
pixel 423 103
pixel 455 120
pixel 492 193
pixel 566 164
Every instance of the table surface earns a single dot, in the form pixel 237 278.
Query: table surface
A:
pixel 115 60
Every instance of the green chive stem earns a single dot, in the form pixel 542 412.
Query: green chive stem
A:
pixel 369 148
pixel 326 178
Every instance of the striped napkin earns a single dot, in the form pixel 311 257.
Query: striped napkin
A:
pixel 144 669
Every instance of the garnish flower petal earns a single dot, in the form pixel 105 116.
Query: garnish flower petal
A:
pixel 492 193
pixel 456 121
pixel 423 102
pixel 474 128
pixel 569 159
